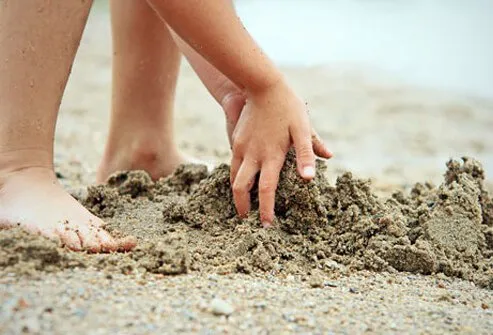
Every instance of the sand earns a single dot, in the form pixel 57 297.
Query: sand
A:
pixel 187 223
pixel 346 255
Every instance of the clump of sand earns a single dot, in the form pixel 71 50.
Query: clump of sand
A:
pixel 187 222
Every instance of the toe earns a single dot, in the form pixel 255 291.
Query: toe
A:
pixel 88 238
pixel 70 239
pixel 126 243
pixel 107 242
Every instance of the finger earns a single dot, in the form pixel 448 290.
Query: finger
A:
pixel 235 166
pixel 319 147
pixel 305 158
pixel 269 178
pixel 243 184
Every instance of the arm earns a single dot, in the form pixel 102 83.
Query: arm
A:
pixel 230 97
pixel 214 30
pixel 273 119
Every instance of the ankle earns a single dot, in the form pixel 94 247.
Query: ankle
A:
pixel 157 158
pixel 19 160
pixel 139 149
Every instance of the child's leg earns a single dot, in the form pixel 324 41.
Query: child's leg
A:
pixel 145 69
pixel 38 44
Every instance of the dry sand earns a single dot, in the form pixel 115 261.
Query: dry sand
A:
pixel 337 258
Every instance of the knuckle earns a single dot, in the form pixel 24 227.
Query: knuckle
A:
pixel 267 187
pixel 275 157
pixel 239 188
pixel 267 215
pixel 239 146
pixel 305 151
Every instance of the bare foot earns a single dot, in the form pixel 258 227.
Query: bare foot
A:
pixel 32 199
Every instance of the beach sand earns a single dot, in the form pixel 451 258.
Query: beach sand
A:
pixel 346 256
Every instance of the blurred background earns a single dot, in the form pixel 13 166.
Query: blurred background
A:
pixel 395 87
pixel 442 44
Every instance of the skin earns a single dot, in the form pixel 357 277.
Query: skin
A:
pixel 146 96
pixel 146 60
pixel 148 38
pixel 273 118
pixel 145 72
pixel 35 60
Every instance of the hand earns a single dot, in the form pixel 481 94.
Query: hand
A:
pixel 234 102
pixel 271 122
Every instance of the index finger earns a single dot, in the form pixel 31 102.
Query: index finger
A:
pixel 269 178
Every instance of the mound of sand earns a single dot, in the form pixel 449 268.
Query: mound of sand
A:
pixel 187 222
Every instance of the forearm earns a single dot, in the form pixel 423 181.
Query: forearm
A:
pixel 213 29
pixel 218 85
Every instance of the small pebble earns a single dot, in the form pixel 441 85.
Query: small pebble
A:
pixel 221 307
pixel 316 281
pixel 333 265
pixel 189 315
pixel 260 304
pixel 31 325
pixel 213 278
pixel 445 297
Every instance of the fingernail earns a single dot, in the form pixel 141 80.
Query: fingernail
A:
pixel 309 172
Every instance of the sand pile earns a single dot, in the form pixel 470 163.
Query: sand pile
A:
pixel 187 222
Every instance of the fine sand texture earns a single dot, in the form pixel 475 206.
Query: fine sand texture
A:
pixel 402 243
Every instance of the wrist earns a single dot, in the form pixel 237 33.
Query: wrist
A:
pixel 265 84
pixel 274 90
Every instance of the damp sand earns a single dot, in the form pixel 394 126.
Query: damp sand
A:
pixel 333 243
pixel 187 223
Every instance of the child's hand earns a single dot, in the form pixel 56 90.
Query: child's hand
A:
pixel 272 120
pixel 233 103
